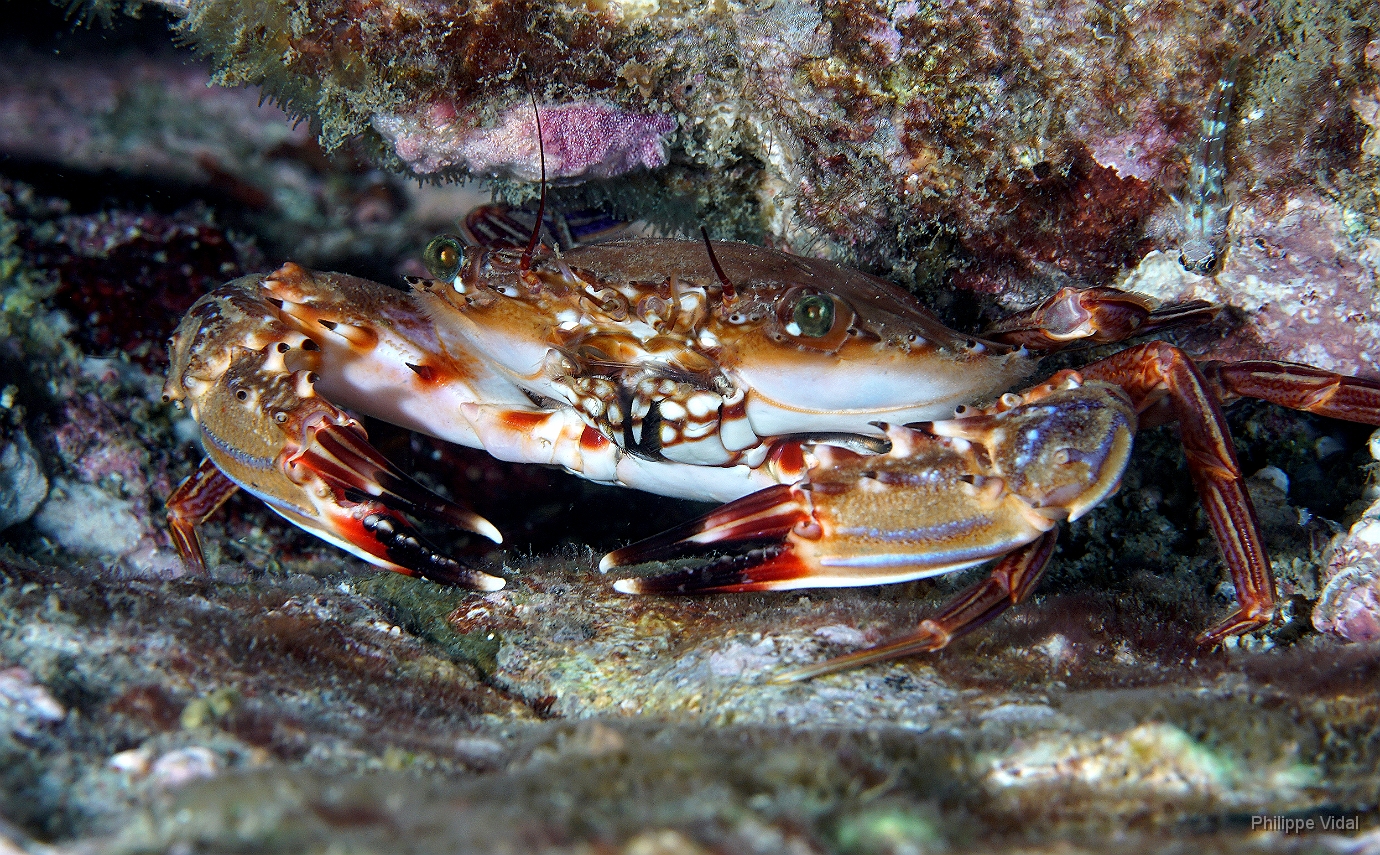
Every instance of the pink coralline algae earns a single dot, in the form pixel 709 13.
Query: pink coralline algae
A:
pixel 1349 606
pixel 93 441
pixel 105 506
pixel 585 139
pixel 1302 280
pixel 1145 151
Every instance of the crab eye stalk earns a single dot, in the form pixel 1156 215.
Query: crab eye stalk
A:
pixel 443 256
pixel 813 316
pixel 813 320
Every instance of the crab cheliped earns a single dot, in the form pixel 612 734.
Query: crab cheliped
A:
pixel 856 439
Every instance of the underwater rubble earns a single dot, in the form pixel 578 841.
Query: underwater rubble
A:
pixel 282 712
pixel 295 700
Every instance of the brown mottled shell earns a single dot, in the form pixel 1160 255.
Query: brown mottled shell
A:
pixel 654 319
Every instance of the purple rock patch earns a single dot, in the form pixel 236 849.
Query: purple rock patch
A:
pixel 586 139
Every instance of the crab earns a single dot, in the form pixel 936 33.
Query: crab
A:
pixel 855 438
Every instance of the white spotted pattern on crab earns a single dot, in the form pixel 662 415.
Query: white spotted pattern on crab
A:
pixel 628 356
pixel 657 354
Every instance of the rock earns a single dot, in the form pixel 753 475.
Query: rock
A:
pixel 86 519
pixel 296 700
pixel 23 486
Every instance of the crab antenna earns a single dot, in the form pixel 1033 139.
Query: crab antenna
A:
pixel 541 205
pixel 730 294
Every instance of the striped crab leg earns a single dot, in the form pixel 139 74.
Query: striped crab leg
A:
pixel 1166 385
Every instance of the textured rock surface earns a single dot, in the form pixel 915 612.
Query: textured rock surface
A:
pixel 1005 147
pixel 295 701
pixel 22 482
pixel 1349 603
pixel 280 713
pixel 150 121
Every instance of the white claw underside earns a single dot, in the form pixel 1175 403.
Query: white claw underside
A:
pixel 382 384
pixel 555 437
pixel 868 393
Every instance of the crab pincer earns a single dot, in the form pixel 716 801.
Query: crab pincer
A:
pixel 946 496
pixel 266 430
pixel 995 483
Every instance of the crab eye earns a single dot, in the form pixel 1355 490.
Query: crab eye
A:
pixel 443 255
pixel 813 316
pixel 806 318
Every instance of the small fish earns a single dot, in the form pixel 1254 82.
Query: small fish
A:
pixel 1205 214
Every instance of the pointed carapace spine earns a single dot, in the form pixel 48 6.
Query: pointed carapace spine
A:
pixel 730 293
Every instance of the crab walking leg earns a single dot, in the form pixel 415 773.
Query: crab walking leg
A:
pixel 1155 372
pixel 1011 582
pixel 1298 387
pixel 191 504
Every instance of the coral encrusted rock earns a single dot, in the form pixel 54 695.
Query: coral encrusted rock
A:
pixel 863 116
pixel 1001 146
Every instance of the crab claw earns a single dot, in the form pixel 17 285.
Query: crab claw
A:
pixel 855 520
pixel 945 497
pixel 361 509
pixel 384 538
pixel 767 515
pixel 341 456
pixel 266 430
pixel 338 487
